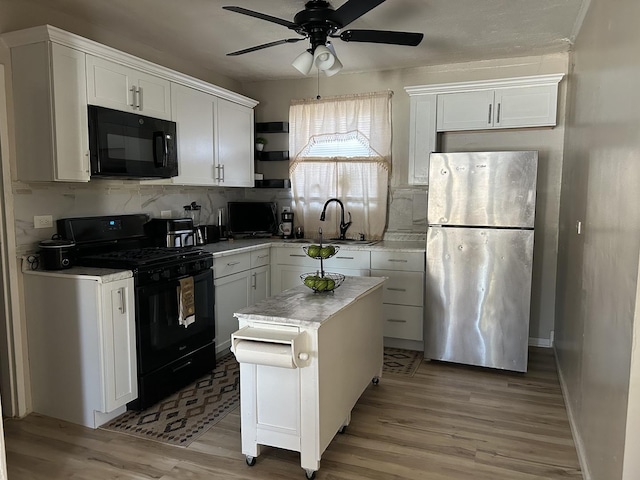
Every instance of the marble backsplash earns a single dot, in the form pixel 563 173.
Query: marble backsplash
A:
pixel 407 206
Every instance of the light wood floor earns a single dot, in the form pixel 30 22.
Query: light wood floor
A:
pixel 446 422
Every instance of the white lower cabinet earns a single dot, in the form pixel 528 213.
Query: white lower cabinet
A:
pixel 403 293
pixel 240 280
pixel 82 346
pixel 290 263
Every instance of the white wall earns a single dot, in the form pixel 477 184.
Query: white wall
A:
pixel 407 208
pixel 596 317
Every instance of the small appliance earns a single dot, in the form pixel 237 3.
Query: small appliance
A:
pixel 286 227
pixel 200 232
pixel 252 219
pixel 57 253
pixel 170 232
pixel 127 145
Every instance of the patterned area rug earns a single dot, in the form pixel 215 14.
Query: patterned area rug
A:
pixel 401 362
pixel 186 415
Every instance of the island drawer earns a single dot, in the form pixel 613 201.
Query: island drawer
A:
pixel 260 257
pixel 349 259
pixel 402 288
pixel 403 322
pixel 402 261
pixel 230 264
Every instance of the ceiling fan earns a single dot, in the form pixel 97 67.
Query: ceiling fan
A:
pixel 319 21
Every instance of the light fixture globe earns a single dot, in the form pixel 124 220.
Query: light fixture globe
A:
pixel 337 64
pixel 323 58
pixel 303 62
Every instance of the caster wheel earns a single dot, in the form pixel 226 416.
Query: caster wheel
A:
pixel 251 461
pixel 376 380
pixel 342 429
pixel 310 474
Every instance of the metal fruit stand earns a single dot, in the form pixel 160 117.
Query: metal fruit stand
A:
pixel 321 281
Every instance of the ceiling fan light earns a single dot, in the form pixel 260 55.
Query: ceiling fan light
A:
pixel 303 62
pixel 323 58
pixel 337 66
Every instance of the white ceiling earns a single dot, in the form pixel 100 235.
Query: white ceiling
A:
pixel 200 31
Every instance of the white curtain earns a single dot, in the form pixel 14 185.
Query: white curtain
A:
pixel 359 127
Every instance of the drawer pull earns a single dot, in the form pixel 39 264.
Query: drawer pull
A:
pixel 231 264
pixel 397 289
pixel 346 258
pixel 402 260
pixel 263 256
pixel 394 320
pixel 297 255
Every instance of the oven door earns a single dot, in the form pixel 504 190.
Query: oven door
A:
pixel 161 339
pixel 124 144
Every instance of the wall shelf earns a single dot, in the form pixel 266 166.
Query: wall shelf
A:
pixel 274 183
pixel 263 128
pixel 272 155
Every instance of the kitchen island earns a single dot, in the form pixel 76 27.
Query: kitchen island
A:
pixel 305 359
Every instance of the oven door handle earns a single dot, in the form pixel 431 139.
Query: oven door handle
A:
pixel 160 150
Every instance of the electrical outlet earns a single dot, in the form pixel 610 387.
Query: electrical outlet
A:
pixel 42 221
pixel 165 214
pixel 286 209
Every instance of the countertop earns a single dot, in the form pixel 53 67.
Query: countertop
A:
pixel 300 306
pixel 231 247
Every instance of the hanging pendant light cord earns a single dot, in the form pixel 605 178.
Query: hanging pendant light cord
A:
pixel 318 97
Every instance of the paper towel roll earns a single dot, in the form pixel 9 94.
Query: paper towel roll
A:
pixel 264 353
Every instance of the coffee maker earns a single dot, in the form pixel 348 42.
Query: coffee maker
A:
pixel 286 227
pixel 192 211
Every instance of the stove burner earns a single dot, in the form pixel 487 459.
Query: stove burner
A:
pixel 139 257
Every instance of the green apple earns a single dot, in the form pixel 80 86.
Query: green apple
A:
pixel 330 284
pixel 321 285
pixel 313 251
pixel 328 251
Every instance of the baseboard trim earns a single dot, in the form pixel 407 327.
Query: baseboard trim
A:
pixel 577 439
pixel 540 342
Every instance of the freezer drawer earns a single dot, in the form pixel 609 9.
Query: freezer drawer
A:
pixel 478 290
pixel 495 189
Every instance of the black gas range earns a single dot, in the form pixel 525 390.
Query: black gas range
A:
pixel 171 352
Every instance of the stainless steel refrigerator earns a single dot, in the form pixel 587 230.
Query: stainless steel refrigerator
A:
pixel 481 211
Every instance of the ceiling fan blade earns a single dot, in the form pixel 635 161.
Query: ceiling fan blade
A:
pixel 382 36
pixel 265 45
pixel 354 9
pixel 262 16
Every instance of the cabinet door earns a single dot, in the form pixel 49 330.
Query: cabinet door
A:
pixel 234 125
pixel 232 293
pixel 526 106
pixel 116 86
pixel 465 111
pixel 422 137
pixel 118 344
pixel 193 113
pixel 70 115
pixel 260 284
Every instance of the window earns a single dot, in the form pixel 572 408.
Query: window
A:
pixel 341 148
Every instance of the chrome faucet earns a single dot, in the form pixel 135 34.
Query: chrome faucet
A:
pixel 343 226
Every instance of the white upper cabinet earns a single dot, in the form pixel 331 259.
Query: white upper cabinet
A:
pixel 50 102
pixel 112 85
pixel 193 112
pixel 422 137
pixel 511 107
pixel 56 74
pixel 492 104
pixel 234 140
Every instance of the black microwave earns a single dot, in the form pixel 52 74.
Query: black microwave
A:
pixel 128 145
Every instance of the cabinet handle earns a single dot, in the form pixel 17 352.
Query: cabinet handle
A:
pixel 253 281
pixel 133 96
pixel 489 119
pixel 180 367
pixel 218 173
pixel 394 320
pixel 123 303
pixel 346 258
pixel 397 289
pixel 297 255
pixel 222 170
pixel 498 114
pixel 263 256
pixel 402 260
pixel 139 98
pixel 231 264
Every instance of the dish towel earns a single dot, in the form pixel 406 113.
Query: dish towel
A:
pixel 186 304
